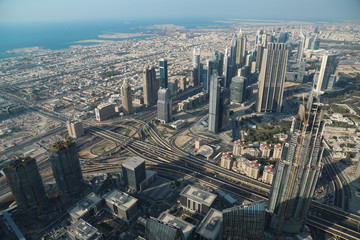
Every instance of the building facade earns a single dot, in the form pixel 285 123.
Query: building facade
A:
pixel 75 129
pixel 272 78
pixel 66 169
pixel 151 86
pixel 134 172
pixel 164 73
pixel 126 99
pixel 297 172
pixel 328 68
pixel 164 105
pixel 26 185
pixel 104 111
pixel 237 89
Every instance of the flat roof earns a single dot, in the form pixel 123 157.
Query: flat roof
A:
pixel 133 162
pixel 84 205
pixel 120 199
pixel 210 226
pixel 185 227
pixel 198 195
pixel 84 230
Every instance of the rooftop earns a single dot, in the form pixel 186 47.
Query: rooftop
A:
pixel 133 162
pixel 185 227
pixel 198 195
pixel 210 225
pixel 84 230
pixel 84 205
pixel 120 199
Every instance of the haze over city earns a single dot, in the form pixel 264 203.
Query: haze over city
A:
pixel 169 120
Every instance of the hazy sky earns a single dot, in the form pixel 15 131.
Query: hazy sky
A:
pixel 12 11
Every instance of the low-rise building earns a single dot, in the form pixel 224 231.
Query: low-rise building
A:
pixel 238 148
pixel 277 151
pixel 226 160
pixel 210 227
pixel 86 208
pixel 265 150
pixel 253 169
pixel 104 111
pixel 194 199
pixel 81 230
pixel 121 205
pixel 268 174
pixel 186 228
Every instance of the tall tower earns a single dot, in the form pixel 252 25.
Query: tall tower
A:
pixel 164 105
pixel 126 98
pixel 164 72
pixel 214 102
pixel 272 78
pixel 244 221
pixel 301 47
pixel 259 54
pixel 197 67
pixel 297 171
pixel 66 169
pixel 240 48
pixel 328 68
pixel 210 67
pixel 26 185
pixel 151 86
pixel 237 89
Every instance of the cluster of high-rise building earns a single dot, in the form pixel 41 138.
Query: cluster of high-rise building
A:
pixel 26 184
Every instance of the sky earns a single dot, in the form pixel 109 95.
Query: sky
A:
pixel 28 11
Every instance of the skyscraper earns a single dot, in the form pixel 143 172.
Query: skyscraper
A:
pixel 164 72
pixel 66 169
pixel 240 49
pixel 26 185
pixel 126 98
pixel 297 172
pixel 259 54
pixel 214 102
pixel 226 68
pixel 301 47
pixel 134 172
pixel 272 78
pixel 328 68
pixel 237 89
pixel 210 67
pixel 151 86
pixel 164 105
pixel 244 222
pixel 197 67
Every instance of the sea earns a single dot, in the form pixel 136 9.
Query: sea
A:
pixel 56 36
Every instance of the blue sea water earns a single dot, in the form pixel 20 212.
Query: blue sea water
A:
pixel 56 36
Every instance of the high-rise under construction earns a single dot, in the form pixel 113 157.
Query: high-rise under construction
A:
pixel 66 169
pixel 26 185
pixel 297 171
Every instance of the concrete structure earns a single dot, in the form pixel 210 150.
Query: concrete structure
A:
pixel 81 230
pixel 104 111
pixel 272 78
pixel 86 208
pixel 238 148
pixel 259 54
pixel 244 222
pixel 253 169
pixel 163 73
pixel 240 49
pixel 297 172
pixel 151 86
pixel 301 47
pixel 150 177
pixel 182 83
pixel 237 89
pixel 268 174
pixel 134 172
pixel 155 229
pixel 26 186
pixel 227 160
pixel 265 150
pixel 328 68
pixel 277 151
pixel 121 205
pixel 164 106
pixel 210 227
pixel 301 71
pixel 186 228
pixel 196 200
pixel 75 129
pixel 126 99
pixel 66 169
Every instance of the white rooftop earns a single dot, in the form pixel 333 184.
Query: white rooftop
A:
pixel 84 205
pixel 84 230
pixel 210 226
pixel 133 162
pixel 185 227
pixel 120 199
pixel 198 195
